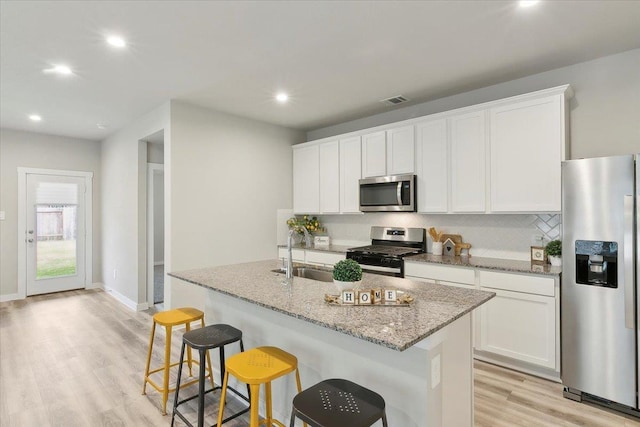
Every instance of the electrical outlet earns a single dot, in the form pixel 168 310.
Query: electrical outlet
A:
pixel 115 274
pixel 537 240
pixel 2 216
pixel 435 371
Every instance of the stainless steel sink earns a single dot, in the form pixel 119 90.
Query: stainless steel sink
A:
pixel 310 273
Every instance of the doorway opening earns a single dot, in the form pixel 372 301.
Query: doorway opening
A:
pixel 155 220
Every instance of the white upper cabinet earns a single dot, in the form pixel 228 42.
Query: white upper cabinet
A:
pixel 527 147
pixel 432 166
pixel 350 174
pixel 306 179
pixel 468 159
pixel 329 177
pixel 401 150
pixel 374 154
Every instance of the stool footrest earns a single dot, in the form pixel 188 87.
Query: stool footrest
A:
pixel 229 418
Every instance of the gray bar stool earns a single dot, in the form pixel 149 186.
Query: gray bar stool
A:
pixel 203 340
pixel 338 403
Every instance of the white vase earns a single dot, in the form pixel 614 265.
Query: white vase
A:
pixel 345 286
pixel 556 261
pixel 436 248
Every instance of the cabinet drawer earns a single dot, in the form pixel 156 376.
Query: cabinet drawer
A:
pixel 328 258
pixel 518 283
pixel 440 272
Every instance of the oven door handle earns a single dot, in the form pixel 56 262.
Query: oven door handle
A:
pixel 399 193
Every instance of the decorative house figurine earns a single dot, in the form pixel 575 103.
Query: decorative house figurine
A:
pixel 449 248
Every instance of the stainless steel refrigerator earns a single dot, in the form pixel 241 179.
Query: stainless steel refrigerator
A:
pixel 599 295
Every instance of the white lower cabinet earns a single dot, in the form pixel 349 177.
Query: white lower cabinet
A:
pixel 310 256
pixel 520 327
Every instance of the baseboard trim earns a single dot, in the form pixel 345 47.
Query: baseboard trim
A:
pixel 126 301
pixel 10 297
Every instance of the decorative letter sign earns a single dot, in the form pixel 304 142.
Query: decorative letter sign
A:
pixel 390 295
pixel 348 297
pixel 364 297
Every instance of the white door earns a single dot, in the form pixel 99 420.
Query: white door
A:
pixel 55 233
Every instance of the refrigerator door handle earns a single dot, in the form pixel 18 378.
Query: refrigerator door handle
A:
pixel 629 279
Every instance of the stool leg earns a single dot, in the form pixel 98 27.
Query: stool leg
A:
pixel 292 423
pixel 211 370
pixel 223 396
pixel 175 400
pixel 299 385
pixel 248 388
pixel 146 371
pixel 200 389
pixel 189 359
pixel 268 402
pixel 384 419
pixel 167 364
pixel 255 401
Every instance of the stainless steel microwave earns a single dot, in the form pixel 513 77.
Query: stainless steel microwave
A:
pixel 396 193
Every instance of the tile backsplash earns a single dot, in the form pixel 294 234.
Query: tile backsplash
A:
pixel 494 236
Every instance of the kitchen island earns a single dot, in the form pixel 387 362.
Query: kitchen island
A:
pixel 419 358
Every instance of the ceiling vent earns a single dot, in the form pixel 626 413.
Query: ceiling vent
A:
pixel 395 100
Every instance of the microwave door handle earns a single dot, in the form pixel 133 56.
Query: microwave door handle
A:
pixel 399 193
pixel 628 263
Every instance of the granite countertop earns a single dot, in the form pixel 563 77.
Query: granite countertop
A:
pixel 506 265
pixel 397 328
pixel 339 249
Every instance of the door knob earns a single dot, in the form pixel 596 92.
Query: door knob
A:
pixel 30 240
pixel 30 231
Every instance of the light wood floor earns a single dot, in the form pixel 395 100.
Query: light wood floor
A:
pixel 77 359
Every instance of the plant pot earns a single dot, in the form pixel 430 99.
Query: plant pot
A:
pixel 556 261
pixel 345 286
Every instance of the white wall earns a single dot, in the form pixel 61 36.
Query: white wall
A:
pixel 124 166
pixel 35 150
pixel 604 118
pixel 226 176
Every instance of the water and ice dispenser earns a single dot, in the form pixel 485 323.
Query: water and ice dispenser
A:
pixel 597 263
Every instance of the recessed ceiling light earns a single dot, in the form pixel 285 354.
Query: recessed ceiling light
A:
pixel 101 126
pixel 59 69
pixel 282 97
pixel 35 117
pixel 528 3
pixel 116 41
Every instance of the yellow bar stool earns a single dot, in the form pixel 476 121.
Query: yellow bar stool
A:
pixel 169 319
pixel 257 366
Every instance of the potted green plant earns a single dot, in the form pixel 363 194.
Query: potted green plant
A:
pixel 347 274
pixel 554 252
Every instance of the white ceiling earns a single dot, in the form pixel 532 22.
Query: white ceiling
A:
pixel 337 60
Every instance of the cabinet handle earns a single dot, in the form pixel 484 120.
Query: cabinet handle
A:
pixel 628 263
pixel 399 193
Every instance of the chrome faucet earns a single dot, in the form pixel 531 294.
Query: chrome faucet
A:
pixel 307 238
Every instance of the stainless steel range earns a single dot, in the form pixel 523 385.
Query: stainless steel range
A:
pixel 389 246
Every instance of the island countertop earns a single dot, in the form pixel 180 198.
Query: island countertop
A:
pixel 397 328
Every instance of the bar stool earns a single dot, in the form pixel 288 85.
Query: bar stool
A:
pixel 169 319
pixel 203 340
pixel 338 403
pixel 260 365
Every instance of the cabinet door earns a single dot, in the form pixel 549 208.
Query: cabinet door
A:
pixel 374 154
pixel 520 326
pixel 401 150
pixel 350 174
pixel 527 148
pixel 432 167
pixel 306 179
pixel 329 177
pixel 468 162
